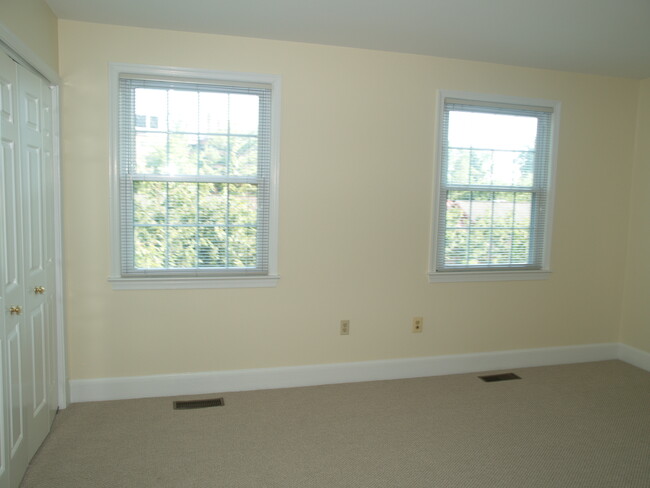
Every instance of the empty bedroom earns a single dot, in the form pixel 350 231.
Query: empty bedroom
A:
pixel 353 243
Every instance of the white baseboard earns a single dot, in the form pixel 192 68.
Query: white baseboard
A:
pixel 268 378
pixel 636 357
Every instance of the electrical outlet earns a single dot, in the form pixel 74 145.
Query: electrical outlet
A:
pixel 418 323
pixel 345 327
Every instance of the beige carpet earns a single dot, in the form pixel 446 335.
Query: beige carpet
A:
pixel 582 425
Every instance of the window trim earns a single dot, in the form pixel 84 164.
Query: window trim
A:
pixel 436 276
pixel 116 279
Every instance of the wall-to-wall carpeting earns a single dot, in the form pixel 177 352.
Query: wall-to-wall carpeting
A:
pixel 581 425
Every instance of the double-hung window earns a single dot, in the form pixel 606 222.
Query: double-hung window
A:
pixel 194 178
pixel 492 217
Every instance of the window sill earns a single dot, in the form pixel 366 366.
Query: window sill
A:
pixel 460 276
pixel 193 283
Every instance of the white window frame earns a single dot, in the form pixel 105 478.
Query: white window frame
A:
pixel 436 276
pixel 120 282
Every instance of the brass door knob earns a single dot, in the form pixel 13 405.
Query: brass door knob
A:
pixel 15 310
pixel 39 290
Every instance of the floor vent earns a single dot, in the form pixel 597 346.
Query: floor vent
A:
pixel 189 404
pixel 499 377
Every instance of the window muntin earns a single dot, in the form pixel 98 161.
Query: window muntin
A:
pixel 195 178
pixel 494 186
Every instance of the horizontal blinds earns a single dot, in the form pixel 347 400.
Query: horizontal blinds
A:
pixel 493 186
pixel 493 107
pixel 195 162
pixel 172 83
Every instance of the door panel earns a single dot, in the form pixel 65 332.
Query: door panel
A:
pixel 4 471
pixel 39 416
pixel 15 373
pixel 39 362
pixel 11 278
pixel 17 442
pixel 50 334
pixel 33 213
pixel 30 100
pixel 12 244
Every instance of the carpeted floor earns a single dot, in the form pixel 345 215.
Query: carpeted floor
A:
pixel 582 425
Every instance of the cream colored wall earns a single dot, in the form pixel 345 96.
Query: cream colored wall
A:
pixel 635 330
pixel 35 24
pixel 355 197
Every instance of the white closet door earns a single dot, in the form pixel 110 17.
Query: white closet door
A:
pixel 27 269
pixel 35 242
pixel 14 438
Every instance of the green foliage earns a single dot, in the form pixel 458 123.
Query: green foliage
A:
pixel 195 225
pixel 188 225
pixel 488 227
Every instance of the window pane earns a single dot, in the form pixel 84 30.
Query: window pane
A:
pixel 523 209
pixel 244 114
pixel 491 131
pixel 520 247
pixel 213 203
pixel 182 247
pixel 183 149
pixel 479 246
pixel 457 214
pixel 151 153
pixel 502 213
pixel 243 205
pixel 516 168
pixel 242 247
pixel 501 247
pixel 480 167
pixel 150 247
pixel 213 113
pixel 243 156
pixel 212 247
pixel 182 203
pixel 183 111
pixel 456 250
pixel 213 156
pixel 151 108
pixel 149 202
pixel 458 166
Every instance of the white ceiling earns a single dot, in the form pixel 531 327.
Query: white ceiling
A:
pixel 607 37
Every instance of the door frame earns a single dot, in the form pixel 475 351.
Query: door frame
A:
pixel 16 48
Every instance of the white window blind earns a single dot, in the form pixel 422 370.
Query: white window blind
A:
pixel 194 178
pixel 494 186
